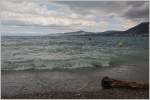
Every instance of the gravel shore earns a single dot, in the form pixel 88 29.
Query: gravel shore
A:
pixel 103 94
pixel 67 84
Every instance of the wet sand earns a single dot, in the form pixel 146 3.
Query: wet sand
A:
pixel 70 83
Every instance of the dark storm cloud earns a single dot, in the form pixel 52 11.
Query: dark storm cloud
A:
pixel 138 10
pixel 129 9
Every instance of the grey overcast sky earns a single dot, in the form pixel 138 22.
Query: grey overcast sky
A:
pixel 39 17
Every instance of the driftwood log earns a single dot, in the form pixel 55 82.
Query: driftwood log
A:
pixel 113 83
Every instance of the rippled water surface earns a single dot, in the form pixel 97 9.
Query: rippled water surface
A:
pixel 60 52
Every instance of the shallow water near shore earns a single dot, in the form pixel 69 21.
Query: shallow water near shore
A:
pixel 61 64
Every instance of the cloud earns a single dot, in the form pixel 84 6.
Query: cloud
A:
pixel 113 7
pixel 31 13
pixel 138 10
pixel 85 7
pixel 127 13
pixel 64 16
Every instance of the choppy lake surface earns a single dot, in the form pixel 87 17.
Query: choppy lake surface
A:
pixel 61 52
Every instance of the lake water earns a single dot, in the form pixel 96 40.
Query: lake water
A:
pixel 72 52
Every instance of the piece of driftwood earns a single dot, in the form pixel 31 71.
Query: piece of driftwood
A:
pixel 113 83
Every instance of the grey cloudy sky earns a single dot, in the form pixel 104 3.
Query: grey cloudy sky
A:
pixel 24 17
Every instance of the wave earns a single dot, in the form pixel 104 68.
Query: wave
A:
pixel 76 63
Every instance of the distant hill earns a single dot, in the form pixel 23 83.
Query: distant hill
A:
pixel 138 30
pixel 141 29
pixel 78 33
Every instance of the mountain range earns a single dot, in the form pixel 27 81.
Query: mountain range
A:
pixel 141 29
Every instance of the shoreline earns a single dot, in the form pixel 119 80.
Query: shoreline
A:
pixel 69 84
